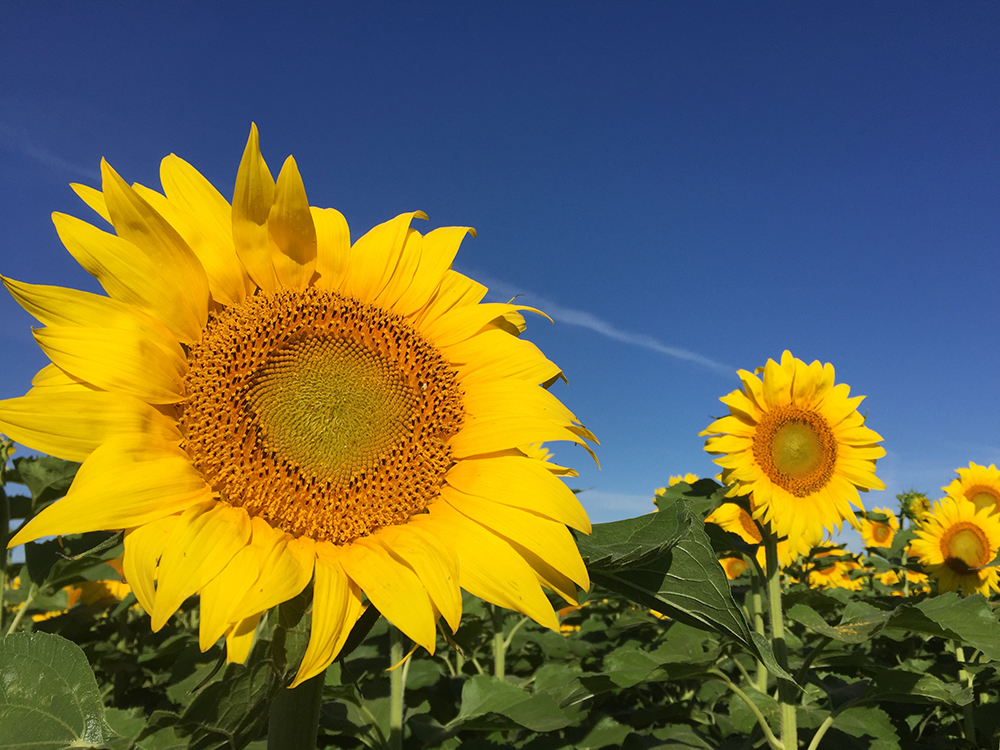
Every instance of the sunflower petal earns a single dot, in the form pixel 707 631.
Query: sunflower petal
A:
pixel 72 425
pixel 393 588
pixel 494 354
pixel 460 323
pixel 220 596
pixel 488 566
pixel 138 223
pixel 333 247
pixel 94 198
pixel 252 201
pixel 208 536
pixel 336 607
pixel 125 361
pixel 143 548
pixel 286 569
pixel 291 228
pixel 239 640
pixel 437 251
pixel 375 255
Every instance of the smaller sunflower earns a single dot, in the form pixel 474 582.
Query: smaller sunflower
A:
pixel 956 542
pixel 980 485
pixel 689 478
pixel 913 505
pixel 877 533
pixel 734 567
pixel 836 574
pixel 798 443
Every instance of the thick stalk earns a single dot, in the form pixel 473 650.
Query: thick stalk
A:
pixel 757 605
pixel 786 691
pixel 294 717
pixel 499 646
pixel 966 677
pixel 397 684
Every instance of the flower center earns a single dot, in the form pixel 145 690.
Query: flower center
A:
pixel 965 547
pixel 983 497
pixel 796 449
pixel 881 532
pixel 327 417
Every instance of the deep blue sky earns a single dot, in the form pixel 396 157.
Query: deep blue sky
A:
pixel 687 188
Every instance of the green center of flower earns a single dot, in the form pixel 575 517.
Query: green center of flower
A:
pixel 965 547
pixel 796 449
pixel 983 497
pixel 324 416
pixel 330 405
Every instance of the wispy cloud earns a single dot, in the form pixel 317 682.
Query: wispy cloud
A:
pixel 19 141
pixel 610 506
pixel 584 319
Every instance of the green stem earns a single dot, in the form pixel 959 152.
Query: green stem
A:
pixel 32 593
pixel 965 676
pixel 786 691
pixel 499 647
pixel 397 684
pixel 294 717
pixel 827 723
pixel 757 606
pixel 771 739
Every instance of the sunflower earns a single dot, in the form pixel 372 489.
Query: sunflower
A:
pixel 879 534
pixel 689 478
pixel 836 574
pixel 259 404
pixel 956 542
pixel 797 442
pixel 980 485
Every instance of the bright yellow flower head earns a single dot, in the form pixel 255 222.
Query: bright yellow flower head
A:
pixel 955 543
pixel 731 517
pixel 980 485
pixel 259 403
pixel 878 534
pixel 797 442
pixel 834 575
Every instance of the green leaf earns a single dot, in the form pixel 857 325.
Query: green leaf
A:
pixel 969 620
pixel 48 695
pixel 664 561
pixel 863 721
pixel 484 695
pixel 867 622
pixel 742 717
pixel 903 686
pixel 46 478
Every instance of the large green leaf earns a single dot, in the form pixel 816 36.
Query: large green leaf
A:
pixel 864 721
pixel 664 561
pixel 969 620
pixel 46 478
pixel 48 695
pixel 484 695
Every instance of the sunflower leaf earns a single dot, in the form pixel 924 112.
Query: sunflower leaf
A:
pixel 970 620
pixel 46 478
pixel 50 698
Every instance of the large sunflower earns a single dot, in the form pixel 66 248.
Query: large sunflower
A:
pixel 956 542
pixel 797 442
pixel 258 403
pixel 980 485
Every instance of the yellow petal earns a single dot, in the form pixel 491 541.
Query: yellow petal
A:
pixel 72 425
pixel 456 291
pixel 252 200
pixel 291 227
pixel 208 536
pixel 220 596
pixel 375 255
pixel 136 222
pixel 239 640
pixel 393 588
pixel 93 198
pixel 499 398
pixel 438 249
pixel 436 566
pixel 548 576
pixel 488 567
pixel 493 354
pixel 286 569
pixel 460 323
pixel 126 273
pixel 123 483
pixel 550 540
pixel 59 306
pixel 333 247
pixel 336 607
pixel 538 489
pixel 402 276
pixel 124 361
pixel 491 435
pixel 143 548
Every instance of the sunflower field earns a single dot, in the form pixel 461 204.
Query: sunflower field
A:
pixel 293 491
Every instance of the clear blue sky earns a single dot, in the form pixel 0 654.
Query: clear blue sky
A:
pixel 687 188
